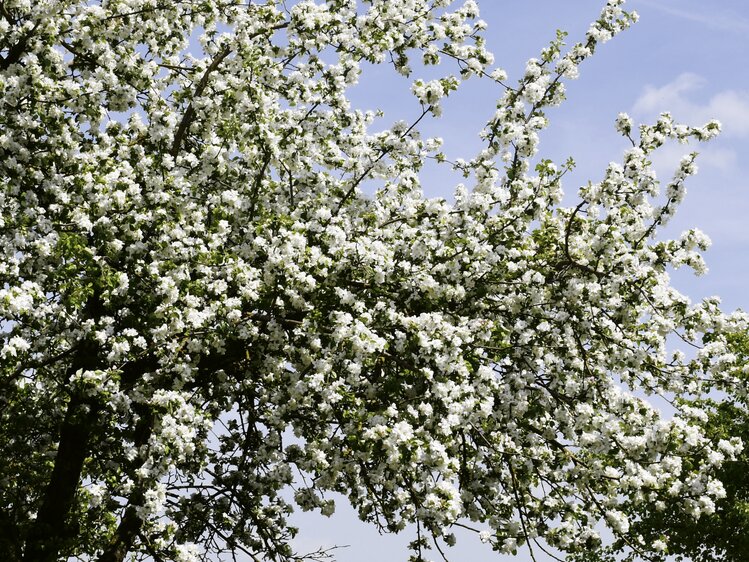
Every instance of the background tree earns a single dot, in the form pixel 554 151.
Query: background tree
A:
pixel 202 309
pixel 722 534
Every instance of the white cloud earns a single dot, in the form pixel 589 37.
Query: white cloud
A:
pixel 666 159
pixel 729 107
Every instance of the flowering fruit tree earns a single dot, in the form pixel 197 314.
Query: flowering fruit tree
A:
pixel 208 320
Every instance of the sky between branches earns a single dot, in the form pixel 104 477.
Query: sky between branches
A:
pixel 685 56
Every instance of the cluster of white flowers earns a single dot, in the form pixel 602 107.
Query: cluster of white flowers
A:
pixel 191 273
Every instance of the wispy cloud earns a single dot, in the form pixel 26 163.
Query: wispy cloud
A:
pixel 730 107
pixel 678 97
pixel 667 159
pixel 725 20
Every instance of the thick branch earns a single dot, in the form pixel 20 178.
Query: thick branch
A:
pixel 124 537
pixel 50 530
pixel 47 537
pixel 131 523
pixel 14 53
pixel 189 116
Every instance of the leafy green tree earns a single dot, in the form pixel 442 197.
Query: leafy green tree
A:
pixel 722 534
pixel 206 321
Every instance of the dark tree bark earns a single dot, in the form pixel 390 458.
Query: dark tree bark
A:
pixel 50 530
pixel 49 533
pixel 125 536
pixel 130 525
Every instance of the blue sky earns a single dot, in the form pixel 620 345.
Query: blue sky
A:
pixel 686 56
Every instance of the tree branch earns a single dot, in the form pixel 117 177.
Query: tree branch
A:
pixel 189 115
pixel 49 532
pixel 15 52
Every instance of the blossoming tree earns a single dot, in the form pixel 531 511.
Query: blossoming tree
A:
pixel 205 320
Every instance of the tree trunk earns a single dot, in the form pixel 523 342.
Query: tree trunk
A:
pixel 49 532
pixel 47 536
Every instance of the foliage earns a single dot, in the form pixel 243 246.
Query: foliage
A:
pixel 202 310
pixel 719 535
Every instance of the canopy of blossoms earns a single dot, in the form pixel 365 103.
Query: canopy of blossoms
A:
pixel 202 310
